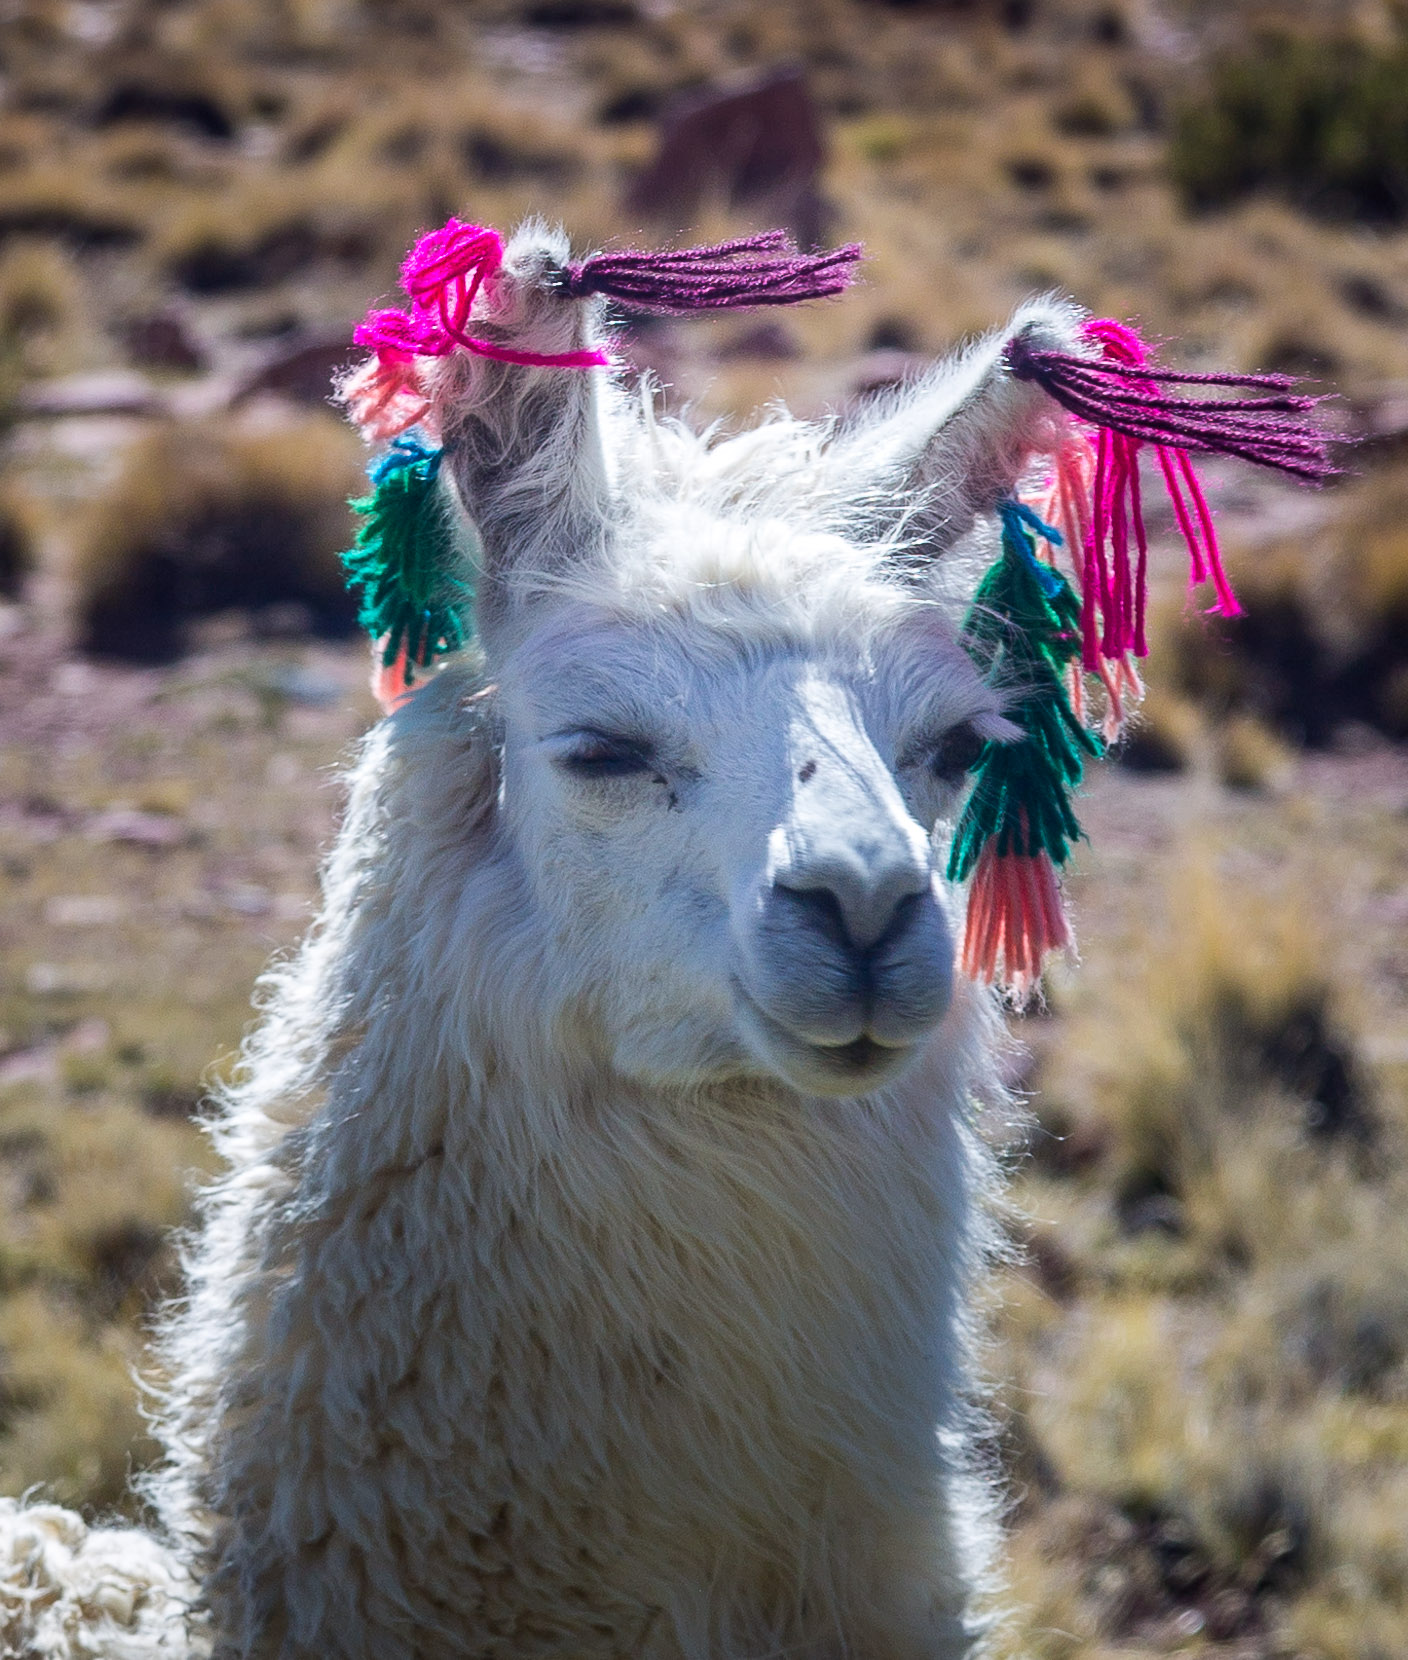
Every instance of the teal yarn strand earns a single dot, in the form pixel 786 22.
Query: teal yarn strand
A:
pixel 417 594
pixel 1023 630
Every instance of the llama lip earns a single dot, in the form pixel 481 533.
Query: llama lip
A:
pixel 862 1063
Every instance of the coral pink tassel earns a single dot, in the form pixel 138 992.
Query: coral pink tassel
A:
pixel 390 686
pixel 1015 920
pixel 1067 505
pixel 384 397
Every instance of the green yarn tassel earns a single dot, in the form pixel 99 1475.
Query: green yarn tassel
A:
pixel 1024 630
pixel 417 593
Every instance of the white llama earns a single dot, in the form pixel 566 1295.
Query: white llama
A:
pixel 589 1275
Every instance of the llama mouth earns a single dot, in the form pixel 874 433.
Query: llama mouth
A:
pixel 852 1068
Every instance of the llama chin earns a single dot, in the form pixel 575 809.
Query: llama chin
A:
pixel 590 1272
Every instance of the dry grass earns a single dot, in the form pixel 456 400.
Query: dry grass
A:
pixel 208 519
pixel 1325 638
pixel 1212 1356
pixel 157 840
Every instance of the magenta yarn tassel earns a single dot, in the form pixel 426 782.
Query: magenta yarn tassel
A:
pixel 1121 396
pixel 446 269
pixel 443 274
pixel 751 270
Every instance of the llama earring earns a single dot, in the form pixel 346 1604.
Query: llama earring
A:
pixel 1028 629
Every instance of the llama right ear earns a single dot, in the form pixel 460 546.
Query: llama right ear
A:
pixel 478 361
pixel 523 434
pixel 935 455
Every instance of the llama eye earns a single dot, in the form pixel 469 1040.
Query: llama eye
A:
pixel 596 755
pixel 956 753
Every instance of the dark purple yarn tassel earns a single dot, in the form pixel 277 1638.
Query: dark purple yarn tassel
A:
pixel 1267 428
pixel 751 270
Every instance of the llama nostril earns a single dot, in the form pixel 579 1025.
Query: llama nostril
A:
pixel 807 773
pixel 821 911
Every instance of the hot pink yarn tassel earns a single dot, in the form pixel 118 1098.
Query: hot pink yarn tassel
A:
pixel 1015 921
pixel 1124 398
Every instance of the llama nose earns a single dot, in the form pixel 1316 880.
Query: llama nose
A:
pixel 857 890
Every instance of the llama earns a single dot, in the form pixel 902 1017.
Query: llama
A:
pixel 590 1271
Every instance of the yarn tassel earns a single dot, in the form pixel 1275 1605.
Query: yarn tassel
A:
pixel 416 597
pixel 1015 921
pixel 757 270
pixel 447 269
pixel 1126 400
pixel 384 397
pixel 1018 824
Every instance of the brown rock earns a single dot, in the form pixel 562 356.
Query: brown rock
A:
pixel 161 341
pixel 302 373
pixel 756 145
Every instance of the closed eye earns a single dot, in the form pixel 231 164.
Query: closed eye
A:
pixel 604 755
pixel 956 753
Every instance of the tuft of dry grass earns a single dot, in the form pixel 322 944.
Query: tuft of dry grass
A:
pixel 1324 638
pixel 214 518
pixel 1249 755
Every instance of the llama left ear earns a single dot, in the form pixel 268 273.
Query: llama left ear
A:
pixel 937 454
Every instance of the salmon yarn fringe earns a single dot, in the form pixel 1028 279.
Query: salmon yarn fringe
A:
pixel 1015 921
pixel 391 682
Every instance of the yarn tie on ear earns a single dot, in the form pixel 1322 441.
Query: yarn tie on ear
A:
pixel 1127 402
pixel 446 270
pixel 1018 824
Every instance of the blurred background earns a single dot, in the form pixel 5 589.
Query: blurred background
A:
pixel 1202 1358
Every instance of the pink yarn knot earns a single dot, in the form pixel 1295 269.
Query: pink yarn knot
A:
pixel 443 275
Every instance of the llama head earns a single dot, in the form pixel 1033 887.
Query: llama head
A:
pixel 735 717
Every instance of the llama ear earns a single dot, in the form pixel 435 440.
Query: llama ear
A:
pixel 524 439
pixel 936 454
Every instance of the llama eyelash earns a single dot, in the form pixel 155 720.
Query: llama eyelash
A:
pixel 601 755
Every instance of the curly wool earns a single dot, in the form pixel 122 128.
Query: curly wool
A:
pixel 73 1592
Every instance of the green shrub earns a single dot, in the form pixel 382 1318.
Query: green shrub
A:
pixel 1324 123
